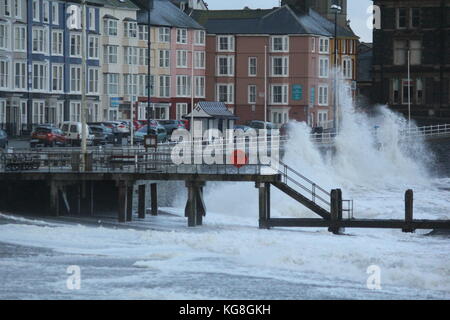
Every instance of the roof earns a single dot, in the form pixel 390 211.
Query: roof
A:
pixel 216 109
pixel 164 13
pixel 108 16
pixel 126 4
pixel 267 21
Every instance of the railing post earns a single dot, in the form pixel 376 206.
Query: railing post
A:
pixel 409 207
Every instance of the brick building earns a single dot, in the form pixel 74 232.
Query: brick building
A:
pixel 423 29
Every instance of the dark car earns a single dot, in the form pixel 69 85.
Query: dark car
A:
pixel 159 131
pixel 47 136
pixel 102 134
pixel 258 125
pixel 172 125
pixel 3 139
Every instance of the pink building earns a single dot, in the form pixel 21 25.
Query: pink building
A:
pixel 298 63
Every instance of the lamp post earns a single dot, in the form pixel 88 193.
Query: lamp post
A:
pixel 149 70
pixel 84 131
pixel 337 9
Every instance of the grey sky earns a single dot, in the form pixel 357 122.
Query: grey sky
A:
pixel 357 12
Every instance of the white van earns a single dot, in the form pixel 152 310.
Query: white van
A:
pixel 73 132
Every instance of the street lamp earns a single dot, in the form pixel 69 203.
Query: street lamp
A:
pixel 337 9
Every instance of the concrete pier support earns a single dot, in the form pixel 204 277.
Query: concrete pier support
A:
pixel 154 198
pixel 141 201
pixel 264 204
pixel 195 208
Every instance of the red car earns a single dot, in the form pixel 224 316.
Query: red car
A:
pixel 47 136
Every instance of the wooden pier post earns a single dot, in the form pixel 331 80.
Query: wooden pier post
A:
pixel 141 201
pixel 122 202
pixel 154 198
pixel 409 209
pixel 335 211
pixel 130 190
pixel 264 204
pixel 201 208
pixel 195 208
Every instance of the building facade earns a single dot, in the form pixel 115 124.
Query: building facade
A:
pixel 422 29
pixel 297 65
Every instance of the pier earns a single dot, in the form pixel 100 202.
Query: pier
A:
pixel 51 182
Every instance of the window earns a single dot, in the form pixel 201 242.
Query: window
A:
pixel 183 86
pixel 252 66
pixel 20 75
pixel 143 56
pixel 182 59
pixel 280 66
pixel 199 87
pixel 75 45
pixel 182 36
pixel 20 38
pixel 313 45
pixel 36 10
pixel 401 48
pixel 110 27
pixel 225 43
pixel 75 111
pixel 164 86
pixel 2 111
pixel 350 48
pixel 45 11
pixel 279 94
pixel 407 85
pixel 57 77
pixel 322 118
pixel 110 54
pixel 57 42
pixel 75 79
pixel 130 82
pixel 199 61
pixel 130 55
pixel 55 13
pixel 225 65
pixel 323 95
pixel 4 36
pixel 200 37
pixel 401 18
pixel 40 76
pixel 93 80
pixel 4 74
pixel 225 93
pixel 38 112
pixel 142 85
pixel 93 47
pixel 143 32
pixel 18 9
pixel 324 45
pixel 344 46
pixel 164 58
pixel 39 40
pixel 347 68
pixel 91 19
pixel 252 94
pixel 324 67
pixel 130 29
pixel 182 110
pixel 415 17
pixel 164 35
pixel 112 83
pixel 7 6
pixel 419 91
pixel 279 44
pixel 395 91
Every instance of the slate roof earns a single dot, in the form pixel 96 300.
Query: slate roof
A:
pixel 164 13
pixel 216 110
pixel 280 20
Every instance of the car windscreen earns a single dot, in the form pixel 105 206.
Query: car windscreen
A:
pixel 42 130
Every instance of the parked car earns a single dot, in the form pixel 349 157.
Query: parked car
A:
pixel 73 133
pixel 118 127
pixel 258 125
pixel 172 125
pixel 159 131
pixel 47 136
pixel 3 139
pixel 102 134
pixel 243 128
pixel 187 124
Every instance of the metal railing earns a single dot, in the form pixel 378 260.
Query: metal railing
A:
pixel 427 131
